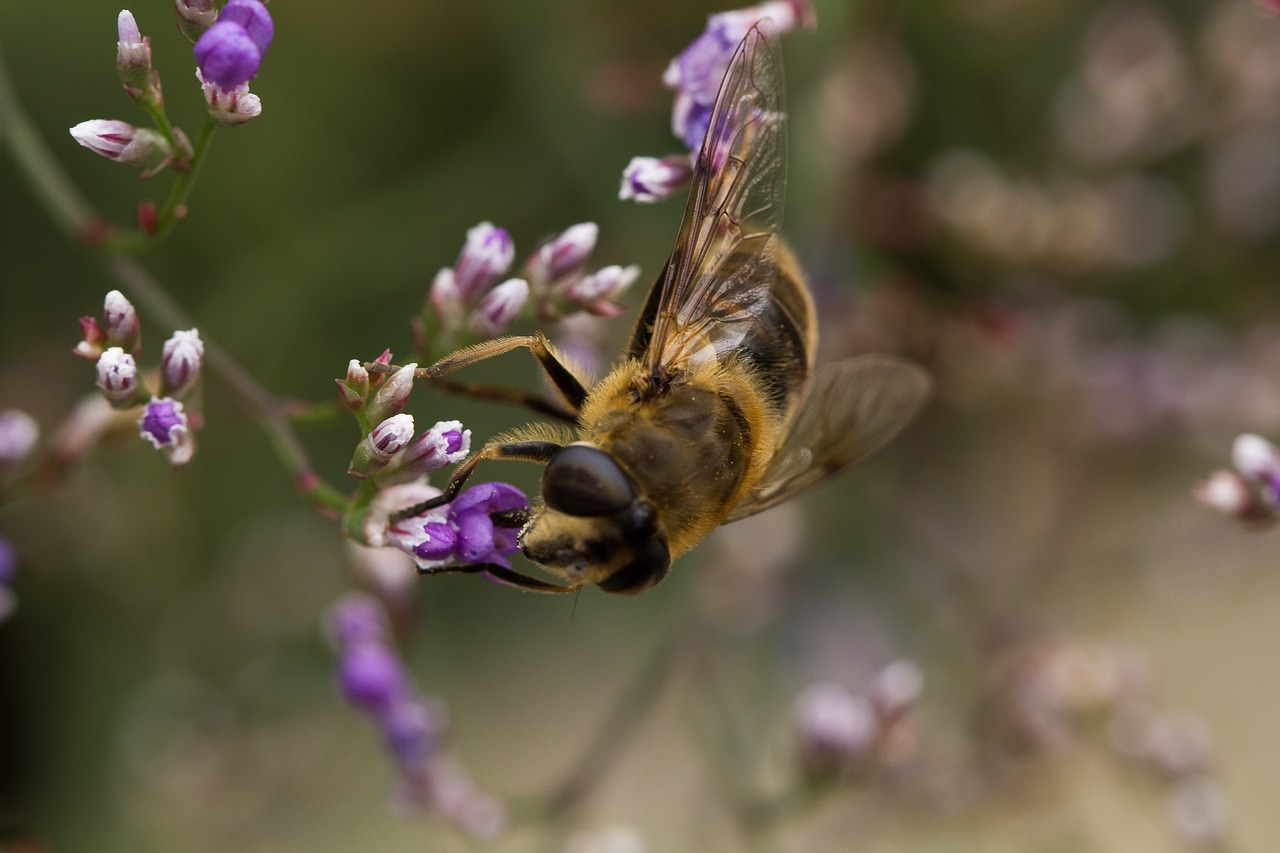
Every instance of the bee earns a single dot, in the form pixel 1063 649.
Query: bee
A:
pixel 715 411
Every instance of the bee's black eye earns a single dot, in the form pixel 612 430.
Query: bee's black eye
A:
pixel 581 480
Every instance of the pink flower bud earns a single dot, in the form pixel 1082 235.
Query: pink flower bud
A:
pixel 118 377
pixel 355 387
pixel 500 307
pixel 133 58
pixel 485 258
pixel 564 254
pixel 180 363
pixel 124 143
pixel 648 179
pixel 93 339
pixel 120 322
pixel 393 396
pixel 446 299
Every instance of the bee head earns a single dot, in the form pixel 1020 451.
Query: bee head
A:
pixel 595 526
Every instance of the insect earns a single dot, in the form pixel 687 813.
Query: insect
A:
pixel 715 412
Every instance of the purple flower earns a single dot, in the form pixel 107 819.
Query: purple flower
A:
pixel 227 55
pixel 834 728
pixel 357 618
pixel 370 676
pixel 462 531
pixel 163 422
pixel 485 258
pixel 253 17
pixel 650 179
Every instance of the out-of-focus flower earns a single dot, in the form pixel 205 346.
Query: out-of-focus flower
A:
pixel 1269 6
pixel 835 729
pixel 650 179
pixel 1259 460
pixel 230 107
pixel 124 143
pixel 19 433
pixel 595 292
pixel 120 323
pixel 563 255
pixel 164 424
pixel 133 59
pixel 1229 493
pixel 195 17
pixel 611 839
pixel 485 258
pixel 118 377
pixel 446 298
pixel 393 396
pixel 374 680
pixel 896 688
pixel 499 308
pixel 1199 812
pixel 180 364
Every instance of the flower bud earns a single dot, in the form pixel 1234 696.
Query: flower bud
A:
pixel 377 448
pixel 355 387
pixel 1229 493
pixel 393 396
pixel 19 433
pixel 118 377
pixel 370 676
pixel 564 254
pixel 230 107
pixel 446 298
pixel 485 258
pixel 133 58
pixel 195 17
pixel 93 339
pixel 500 307
pixel 1259 460
pixel 896 688
pixel 648 179
pixel 357 618
pixel 124 143
pixel 120 322
pixel 164 425
pixel 446 443
pixel 180 364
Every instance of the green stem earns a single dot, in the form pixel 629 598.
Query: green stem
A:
pixel 175 205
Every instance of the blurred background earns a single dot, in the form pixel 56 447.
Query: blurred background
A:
pixel 1067 210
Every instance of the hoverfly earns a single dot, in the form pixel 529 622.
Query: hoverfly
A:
pixel 715 412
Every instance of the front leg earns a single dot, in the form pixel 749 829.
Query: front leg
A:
pixel 566 385
pixel 526 451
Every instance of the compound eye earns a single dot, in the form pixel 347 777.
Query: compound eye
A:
pixel 581 480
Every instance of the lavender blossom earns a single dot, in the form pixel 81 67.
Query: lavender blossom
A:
pixel 227 55
pixel 165 426
pixel 375 681
pixel 180 363
pixel 253 17
pixel 462 531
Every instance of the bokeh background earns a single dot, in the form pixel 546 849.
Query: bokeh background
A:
pixel 1067 210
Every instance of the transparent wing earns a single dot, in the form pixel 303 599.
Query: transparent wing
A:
pixel 852 409
pixel 718 279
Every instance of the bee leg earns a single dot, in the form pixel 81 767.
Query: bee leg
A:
pixel 526 451
pixel 503 575
pixel 568 386
pixel 513 396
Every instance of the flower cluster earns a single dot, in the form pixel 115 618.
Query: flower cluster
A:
pixel 374 680
pixel 695 76
pixel 467 299
pixel 114 346
pixel 840 733
pixel 1250 492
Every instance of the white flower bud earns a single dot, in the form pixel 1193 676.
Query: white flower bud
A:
pixel 118 377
